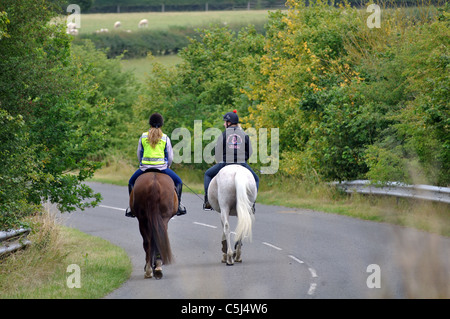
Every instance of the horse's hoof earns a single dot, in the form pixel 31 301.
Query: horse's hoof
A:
pixel 148 275
pixel 230 264
pixel 158 274
pixel 157 271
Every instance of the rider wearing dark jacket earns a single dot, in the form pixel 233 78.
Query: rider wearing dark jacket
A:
pixel 233 147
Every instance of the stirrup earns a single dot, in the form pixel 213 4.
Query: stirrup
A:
pixel 181 210
pixel 128 213
pixel 207 206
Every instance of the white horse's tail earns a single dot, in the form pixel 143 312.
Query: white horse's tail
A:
pixel 243 207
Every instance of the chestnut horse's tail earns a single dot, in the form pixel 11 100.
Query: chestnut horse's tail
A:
pixel 156 226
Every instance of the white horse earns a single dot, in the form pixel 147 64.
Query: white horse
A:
pixel 232 192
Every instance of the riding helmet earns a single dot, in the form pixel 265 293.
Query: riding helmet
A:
pixel 231 117
pixel 156 120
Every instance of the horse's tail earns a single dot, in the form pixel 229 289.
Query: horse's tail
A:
pixel 159 234
pixel 243 208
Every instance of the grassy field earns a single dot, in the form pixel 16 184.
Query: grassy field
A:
pixel 163 20
pixel 142 67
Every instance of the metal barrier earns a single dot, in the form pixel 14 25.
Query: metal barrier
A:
pixel 424 192
pixel 13 240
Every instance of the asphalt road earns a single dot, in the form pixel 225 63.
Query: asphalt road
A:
pixel 295 253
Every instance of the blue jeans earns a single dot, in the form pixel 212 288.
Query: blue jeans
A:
pixel 213 171
pixel 176 179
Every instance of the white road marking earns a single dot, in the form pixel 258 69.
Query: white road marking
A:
pixel 270 245
pixel 206 225
pixel 313 272
pixel 296 259
pixel 110 207
pixel 312 288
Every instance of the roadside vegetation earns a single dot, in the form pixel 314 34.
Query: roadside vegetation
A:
pixel 295 193
pixel 350 102
pixel 43 270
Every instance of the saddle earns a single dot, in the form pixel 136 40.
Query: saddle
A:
pixel 150 170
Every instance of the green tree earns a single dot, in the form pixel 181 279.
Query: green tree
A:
pixel 52 110
pixel 205 85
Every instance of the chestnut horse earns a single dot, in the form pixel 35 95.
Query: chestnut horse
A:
pixel 154 202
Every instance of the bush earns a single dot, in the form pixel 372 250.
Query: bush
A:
pixel 139 44
pixel 52 115
pixel 350 102
pixel 157 42
pixel 353 102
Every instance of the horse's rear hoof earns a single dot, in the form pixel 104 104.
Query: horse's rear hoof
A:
pixel 158 274
pixel 158 269
pixel 148 275
pixel 237 257
pixel 148 272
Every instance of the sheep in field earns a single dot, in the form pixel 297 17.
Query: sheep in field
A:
pixel 72 28
pixel 117 24
pixel 143 23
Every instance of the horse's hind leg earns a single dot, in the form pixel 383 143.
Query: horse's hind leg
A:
pixel 157 271
pixel 228 256
pixel 237 253
pixel 148 264
pixel 224 248
pixel 147 245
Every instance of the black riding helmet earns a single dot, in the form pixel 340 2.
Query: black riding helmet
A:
pixel 156 120
pixel 231 117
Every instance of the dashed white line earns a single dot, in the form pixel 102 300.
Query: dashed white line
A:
pixel 296 259
pixel 312 288
pixel 272 246
pixel 313 272
pixel 110 207
pixel 206 225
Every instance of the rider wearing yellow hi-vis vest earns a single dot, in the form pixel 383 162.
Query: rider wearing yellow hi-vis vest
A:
pixel 155 152
pixel 153 155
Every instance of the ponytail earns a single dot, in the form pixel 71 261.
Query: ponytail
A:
pixel 154 135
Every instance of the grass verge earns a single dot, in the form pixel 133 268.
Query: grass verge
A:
pixel 41 271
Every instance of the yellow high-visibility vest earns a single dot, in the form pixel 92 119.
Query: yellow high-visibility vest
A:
pixel 153 155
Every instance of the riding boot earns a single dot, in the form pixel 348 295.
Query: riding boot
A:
pixel 206 204
pixel 128 212
pixel 181 208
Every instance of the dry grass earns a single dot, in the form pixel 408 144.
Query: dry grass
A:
pixel 40 271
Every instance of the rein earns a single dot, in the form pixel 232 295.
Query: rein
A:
pixel 193 191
